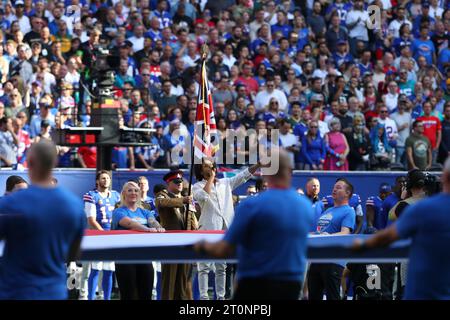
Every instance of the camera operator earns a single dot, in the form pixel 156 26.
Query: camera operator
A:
pixel 413 191
pixel 427 225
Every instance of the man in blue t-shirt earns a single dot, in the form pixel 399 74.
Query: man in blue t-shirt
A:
pixel 354 202
pixel 428 226
pixel 424 47
pixel 41 234
pixel 269 236
pixel 338 220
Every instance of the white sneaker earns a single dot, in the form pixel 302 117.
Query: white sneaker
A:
pixel 82 297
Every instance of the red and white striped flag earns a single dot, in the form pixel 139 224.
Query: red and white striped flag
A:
pixel 205 122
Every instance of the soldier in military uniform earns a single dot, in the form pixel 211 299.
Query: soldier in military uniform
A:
pixel 176 213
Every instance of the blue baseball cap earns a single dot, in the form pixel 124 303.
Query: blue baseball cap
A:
pixel 385 187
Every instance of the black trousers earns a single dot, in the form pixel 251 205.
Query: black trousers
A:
pixel 267 289
pixel 325 278
pixel 135 281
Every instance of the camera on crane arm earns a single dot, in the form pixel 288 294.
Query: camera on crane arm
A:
pixel 103 66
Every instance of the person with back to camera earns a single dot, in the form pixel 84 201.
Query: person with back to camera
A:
pixel 268 234
pixel 41 234
pixel 426 223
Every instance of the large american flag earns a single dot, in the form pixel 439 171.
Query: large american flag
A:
pixel 205 123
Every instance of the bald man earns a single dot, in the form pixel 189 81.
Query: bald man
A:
pixel 427 223
pixel 269 235
pixel 42 227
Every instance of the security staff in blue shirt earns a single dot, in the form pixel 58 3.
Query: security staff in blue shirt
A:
pixel 312 192
pixel 269 235
pixel 41 234
pixel 391 201
pixel 376 218
pixel 428 226
pixel 338 220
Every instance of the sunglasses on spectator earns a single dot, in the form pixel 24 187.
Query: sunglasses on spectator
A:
pixel 383 111
pixel 314 127
pixel 146 75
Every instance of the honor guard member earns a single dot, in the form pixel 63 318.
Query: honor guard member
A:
pixel 176 213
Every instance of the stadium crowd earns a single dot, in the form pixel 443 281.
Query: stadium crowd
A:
pixel 344 96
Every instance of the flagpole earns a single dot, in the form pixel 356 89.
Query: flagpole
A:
pixel 204 54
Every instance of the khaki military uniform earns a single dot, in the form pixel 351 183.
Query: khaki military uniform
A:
pixel 176 278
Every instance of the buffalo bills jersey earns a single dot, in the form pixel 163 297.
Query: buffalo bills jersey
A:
pixel 95 205
pixel 380 219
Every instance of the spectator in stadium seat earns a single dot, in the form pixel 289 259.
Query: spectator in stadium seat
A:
pixel 402 119
pixel 418 148
pixel 313 148
pixel 381 151
pixel 337 148
pixel 270 92
pixel 289 141
pixel 135 280
pixel 359 144
pixel 444 147
pixel 432 129
pixel 8 143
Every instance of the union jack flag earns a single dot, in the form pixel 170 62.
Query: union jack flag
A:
pixel 205 122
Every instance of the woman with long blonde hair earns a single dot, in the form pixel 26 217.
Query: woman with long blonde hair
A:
pixel 135 280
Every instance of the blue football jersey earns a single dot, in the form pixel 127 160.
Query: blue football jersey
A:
pixel 380 219
pixel 103 206
pixel 151 202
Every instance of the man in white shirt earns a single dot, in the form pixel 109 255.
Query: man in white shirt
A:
pixel 394 26
pixel 216 203
pixel 192 55
pixel 356 22
pixel 390 99
pixel 257 23
pixel 402 119
pixel 138 38
pixel 435 10
pixel 289 141
pixel 389 125
pixel 263 97
pixel 24 21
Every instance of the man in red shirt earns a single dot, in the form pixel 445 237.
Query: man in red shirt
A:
pixel 87 156
pixel 432 128
pixel 247 79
